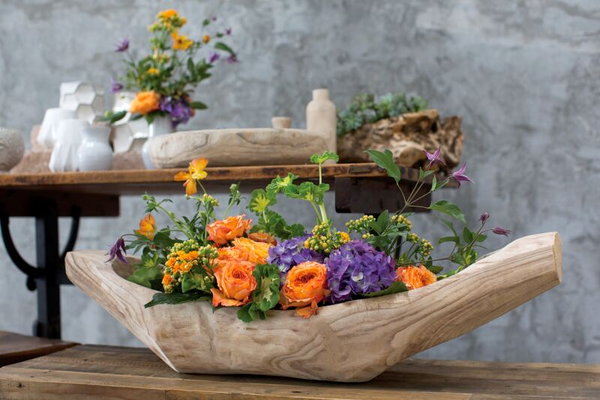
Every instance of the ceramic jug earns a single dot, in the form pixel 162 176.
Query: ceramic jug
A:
pixel 64 154
pixel 321 117
pixel 95 153
pixel 160 126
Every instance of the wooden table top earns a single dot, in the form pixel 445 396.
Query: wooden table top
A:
pixel 16 348
pixel 100 372
pixel 161 181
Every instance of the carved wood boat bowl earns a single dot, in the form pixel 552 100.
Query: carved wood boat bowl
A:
pixel 347 342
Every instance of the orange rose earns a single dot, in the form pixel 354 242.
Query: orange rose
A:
pixel 415 277
pixel 145 102
pixel 223 231
pixel 263 237
pixel 147 226
pixel 236 283
pixel 304 287
pixel 256 252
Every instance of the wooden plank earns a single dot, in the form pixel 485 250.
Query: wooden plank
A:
pixel 100 372
pixel 16 348
pixel 21 203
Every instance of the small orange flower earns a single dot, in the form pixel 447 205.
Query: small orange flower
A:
pixel 304 287
pixel 415 277
pixel 181 42
pixel 236 284
pixel 153 71
pixel 145 102
pixel 195 173
pixel 223 231
pixel 263 237
pixel 182 261
pixel 166 14
pixel 206 39
pixel 167 280
pixel 147 226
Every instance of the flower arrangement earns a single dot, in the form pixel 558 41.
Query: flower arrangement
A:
pixel 268 264
pixel 165 79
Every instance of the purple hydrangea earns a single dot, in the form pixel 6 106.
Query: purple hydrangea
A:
pixel 358 268
pixel 292 252
pixel 179 109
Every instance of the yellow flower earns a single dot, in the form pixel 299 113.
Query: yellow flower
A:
pixel 181 42
pixel 147 226
pixel 166 14
pixel 206 38
pixel 153 71
pixel 195 173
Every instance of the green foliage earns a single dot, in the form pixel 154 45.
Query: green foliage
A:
pixel 449 208
pixel 266 295
pixel 111 117
pixel 269 221
pixel 386 161
pixel 175 298
pixel 365 109
pixel 149 277
pixel 396 287
pixel 235 197
pixel 321 158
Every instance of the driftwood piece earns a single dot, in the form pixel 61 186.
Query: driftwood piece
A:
pixel 348 342
pixel 230 147
pixel 406 137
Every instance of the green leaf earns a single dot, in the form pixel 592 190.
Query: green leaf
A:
pixel 445 239
pixel 175 298
pixel 481 238
pixel 396 287
pixel 206 22
pixel 467 235
pixel 424 174
pixel 235 197
pixel 196 281
pixel 436 269
pixel 146 276
pixel 261 201
pixel 198 105
pixel 224 47
pixel 448 208
pixel 279 184
pixel 266 294
pixel 386 161
pixel 434 184
pixel 321 158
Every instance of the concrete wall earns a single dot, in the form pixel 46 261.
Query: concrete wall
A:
pixel 524 75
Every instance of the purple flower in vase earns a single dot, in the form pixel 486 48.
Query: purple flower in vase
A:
pixel 122 46
pixel 228 31
pixel 117 250
pixel 232 59
pixel 115 86
pixel 358 268
pixel 213 56
pixel 179 109
pixel 459 175
pixel 484 217
pixel 434 158
pixel 290 253
pixel 501 231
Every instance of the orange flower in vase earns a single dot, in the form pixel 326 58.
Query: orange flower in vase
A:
pixel 145 102
pixel 195 173
pixel 304 287
pixel 228 229
pixel 236 284
pixel 147 226
pixel 255 252
pixel 415 277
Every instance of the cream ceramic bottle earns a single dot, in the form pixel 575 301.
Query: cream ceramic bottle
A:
pixel 321 117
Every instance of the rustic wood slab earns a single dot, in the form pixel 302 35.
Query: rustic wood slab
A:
pixel 347 342
pixel 16 348
pixel 102 372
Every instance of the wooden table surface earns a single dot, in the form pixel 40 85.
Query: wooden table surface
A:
pixel 101 372
pixel 16 348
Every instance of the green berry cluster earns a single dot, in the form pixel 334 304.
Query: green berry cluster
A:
pixel 425 248
pixel 400 219
pixel 324 240
pixel 209 200
pixel 360 225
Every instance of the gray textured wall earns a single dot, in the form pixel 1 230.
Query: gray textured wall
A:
pixel 524 75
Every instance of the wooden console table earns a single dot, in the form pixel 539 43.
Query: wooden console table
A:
pixel 359 188
pixel 101 372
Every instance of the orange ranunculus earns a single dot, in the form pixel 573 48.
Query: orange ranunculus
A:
pixel 236 284
pixel 195 173
pixel 166 14
pixel 263 237
pixel 147 226
pixel 228 229
pixel 415 277
pixel 227 254
pixel 255 252
pixel 145 102
pixel 304 287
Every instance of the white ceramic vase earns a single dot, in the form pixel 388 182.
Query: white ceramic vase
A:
pixel 69 136
pixel 82 98
pixel 160 126
pixel 48 129
pixel 127 131
pixel 95 153
pixel 12 148
pixel 321 117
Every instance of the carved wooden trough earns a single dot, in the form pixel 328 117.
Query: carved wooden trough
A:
pixel 347 342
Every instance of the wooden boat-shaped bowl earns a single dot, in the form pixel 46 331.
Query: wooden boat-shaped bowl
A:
pixel 348 342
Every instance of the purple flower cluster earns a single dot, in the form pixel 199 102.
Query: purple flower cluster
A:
pixel 179 109
pixel 292 252
pixel 358 268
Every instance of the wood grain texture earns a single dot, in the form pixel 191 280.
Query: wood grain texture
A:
pixel 229 147
pixel 347 342
pixel 101 372
pixel 15 348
